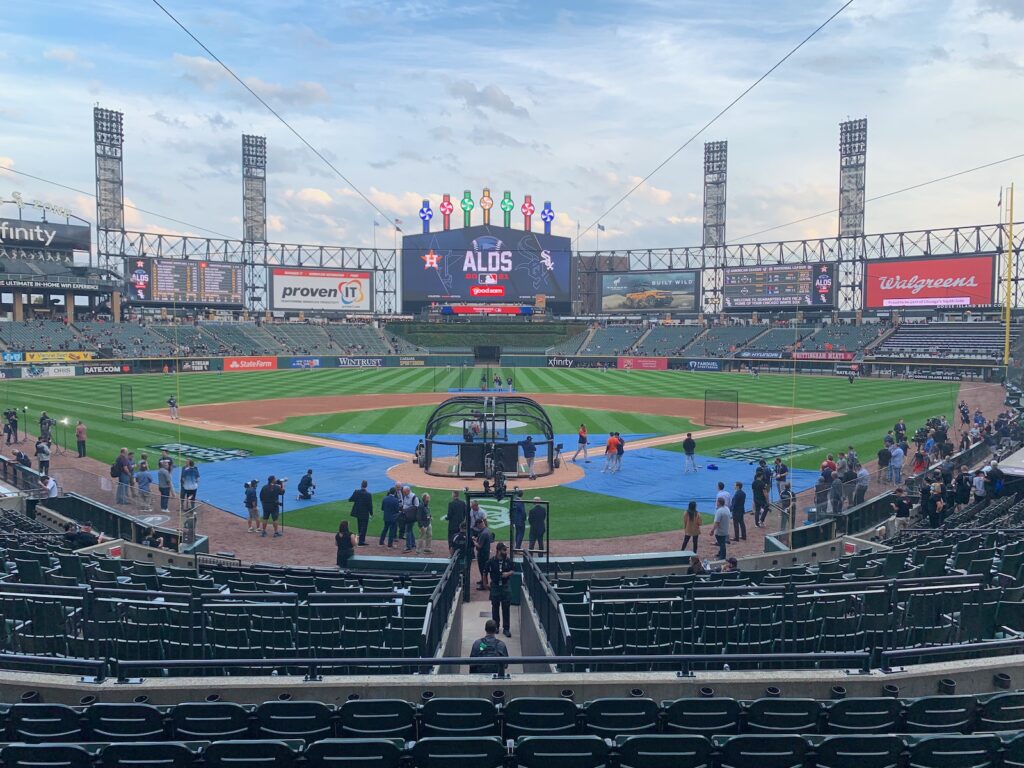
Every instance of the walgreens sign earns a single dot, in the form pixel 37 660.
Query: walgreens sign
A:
pixel 950 281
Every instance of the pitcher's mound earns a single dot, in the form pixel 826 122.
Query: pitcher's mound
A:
pixel 408 472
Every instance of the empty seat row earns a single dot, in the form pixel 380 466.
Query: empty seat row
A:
pixel 520 717
pixel 981 751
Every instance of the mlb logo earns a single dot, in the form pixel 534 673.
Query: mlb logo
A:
pixel 488 279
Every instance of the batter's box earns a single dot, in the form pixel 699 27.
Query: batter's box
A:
pixel 764 452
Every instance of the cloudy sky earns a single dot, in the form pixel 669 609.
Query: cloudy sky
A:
pixel 571 102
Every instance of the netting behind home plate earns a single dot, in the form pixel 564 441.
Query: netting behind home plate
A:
pixel 722 408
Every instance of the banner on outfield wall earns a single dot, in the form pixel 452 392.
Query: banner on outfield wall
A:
pixel 930 281
pixel 361 362
pixel 704 365
pixel 936 376
pixel 823 355
pixel 250 363
pixel 13 357
pixel 759 354
pixel 845 369
pixel 49 371
pixel 642 363
pixel 304 362
pixel 561 362
pixel 198 365
pixel 10 373
pixel 105 369
pixel 58 357
pixel 411 362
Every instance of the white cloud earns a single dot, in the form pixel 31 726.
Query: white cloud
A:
pixel 210 76
pixel 6 162
pixel 64 55
pixel 309 196
pixel 489 97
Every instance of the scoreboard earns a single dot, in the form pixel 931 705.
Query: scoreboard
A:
pixel 779 286
pixel 185 282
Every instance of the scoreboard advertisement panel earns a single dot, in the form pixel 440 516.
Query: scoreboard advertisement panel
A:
pixel 320 290
pixel 779 286
pixel 650 292
pixel 944 281
pixel 486 264
pixel 185 282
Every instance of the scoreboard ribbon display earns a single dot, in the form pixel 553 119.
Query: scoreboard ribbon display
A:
pixel 779 286
pixel 486 264
pixel 184 282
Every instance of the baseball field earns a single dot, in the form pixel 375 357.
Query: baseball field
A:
pixel 355 424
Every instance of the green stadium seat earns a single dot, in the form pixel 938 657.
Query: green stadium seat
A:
pixel 124 722
pixel 561 751
pixel 213 721
pixel 664 751
pixel 537 716
pixel 36 723
pixel 1002 712
pixel 611 717
pixel 782 716
pixel 465 717
pixel 1013 752
pixel 353 753
pixel 307 720
pixel 980 751
pixel 939 714
pixel 702 717
pixel 249 754
pixel 878 751
pixel 465 752
pixel 763 752
pixel 45 756
pixel 140 754
pixel 863 716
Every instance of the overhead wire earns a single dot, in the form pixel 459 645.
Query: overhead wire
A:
pixel 894 192
pixel 713 120
pixel 277 114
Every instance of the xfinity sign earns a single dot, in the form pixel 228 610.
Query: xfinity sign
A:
pixel 320 290
pixel 19 233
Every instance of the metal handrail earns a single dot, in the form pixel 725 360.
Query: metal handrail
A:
pixel 940 650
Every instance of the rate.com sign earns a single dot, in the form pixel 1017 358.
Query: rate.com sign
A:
pixel 947 281
pixel 320 290
pixel 237 364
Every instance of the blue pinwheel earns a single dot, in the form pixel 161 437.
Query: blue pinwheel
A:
pixel 548 215
pixel 426 214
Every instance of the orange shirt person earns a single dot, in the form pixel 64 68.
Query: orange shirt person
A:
pixel 610 451
pixel 581 444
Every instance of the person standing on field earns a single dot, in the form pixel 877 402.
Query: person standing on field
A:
pixel 581 444
pixel 172 406
pixel 80 438
pixel 362 510
pixel 689 453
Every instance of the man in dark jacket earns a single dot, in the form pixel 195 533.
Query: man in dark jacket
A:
pixel 488 647
pixel 537 517
pixel 517 519
pixel 499 572
pixel 456 517
pixel 391 509
pixel 362 510
pixel 306 487
pixel 738 507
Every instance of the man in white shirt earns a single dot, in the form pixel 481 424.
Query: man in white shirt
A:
pixel 50 485
pixel 723 496
pixel 720 528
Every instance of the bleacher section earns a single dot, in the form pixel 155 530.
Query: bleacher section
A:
pixel 508 334
pixel 613 340
pixel 843 338
pixel 668 340
pixel 191 340
pixel 777 339
pixel 357 339
pixel 981 342
pixel 40 335
pixel 570 346
pixel 124 340
pixel 531 732
pixel 723 340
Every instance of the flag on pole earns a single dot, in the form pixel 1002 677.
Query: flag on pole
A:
pixel 1000 203
pixel 600 227
pixel 376 223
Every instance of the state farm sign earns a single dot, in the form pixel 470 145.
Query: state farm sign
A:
pixel 950 281
pixel 233 364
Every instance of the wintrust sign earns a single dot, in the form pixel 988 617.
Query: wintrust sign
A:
pixel 953 281
pixel 320 290
pixel 241 364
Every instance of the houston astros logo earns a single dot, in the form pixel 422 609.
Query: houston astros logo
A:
pixel 430 259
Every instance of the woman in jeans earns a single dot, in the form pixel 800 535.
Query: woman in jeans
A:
pixel 691 525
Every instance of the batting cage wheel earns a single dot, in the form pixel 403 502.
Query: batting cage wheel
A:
pixel 722 408
pixel 484 436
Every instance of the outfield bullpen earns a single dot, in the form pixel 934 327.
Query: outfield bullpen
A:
pixel 361 424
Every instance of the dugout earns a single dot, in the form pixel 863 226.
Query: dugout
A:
pixel 473 435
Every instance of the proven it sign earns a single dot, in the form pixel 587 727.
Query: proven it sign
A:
pixel 320 290
pixel 946 281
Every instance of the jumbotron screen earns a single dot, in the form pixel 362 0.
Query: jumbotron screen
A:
pixel 650 291
pixel 185 282
pixel 486 264
pixel 779 286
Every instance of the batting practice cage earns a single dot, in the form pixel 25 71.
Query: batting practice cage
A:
pixel 483 436
pixel 722 408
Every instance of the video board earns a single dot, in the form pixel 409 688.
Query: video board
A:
pixel 650 291
pixel 486 264
pixel 931 281
pixel 320 290
pixel 185 283
pixel 779 286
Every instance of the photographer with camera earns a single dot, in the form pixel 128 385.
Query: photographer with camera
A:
pixel 270 498
pixel 45 424
pixel 306 486
pixel 43 456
